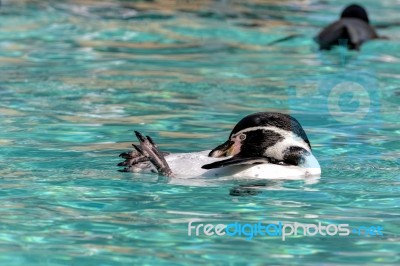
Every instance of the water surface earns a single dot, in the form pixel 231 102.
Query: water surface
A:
pixel 77 77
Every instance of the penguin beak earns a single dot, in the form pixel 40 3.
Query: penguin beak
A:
pixel 224 150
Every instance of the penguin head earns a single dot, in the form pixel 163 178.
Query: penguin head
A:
pixel 355 11
pixel 263 134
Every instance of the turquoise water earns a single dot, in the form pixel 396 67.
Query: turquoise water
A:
pixel 77 77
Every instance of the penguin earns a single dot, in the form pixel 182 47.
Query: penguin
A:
pixel 352 29
pixel 264 145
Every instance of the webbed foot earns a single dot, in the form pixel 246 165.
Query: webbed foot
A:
pixel 146 151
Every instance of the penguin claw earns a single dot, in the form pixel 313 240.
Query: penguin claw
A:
pixel 151 141
pixel 140 137
pixel 138 149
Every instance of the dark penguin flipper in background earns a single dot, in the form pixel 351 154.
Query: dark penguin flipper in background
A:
pixel 349 32
pixel 331 35
pixel 236 160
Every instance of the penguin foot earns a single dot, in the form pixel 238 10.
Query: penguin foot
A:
pixel 146 151
pixel 135 159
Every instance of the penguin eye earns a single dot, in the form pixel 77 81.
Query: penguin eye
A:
pixel 242 136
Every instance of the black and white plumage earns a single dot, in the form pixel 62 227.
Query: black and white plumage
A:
pixel 262 145
pixel 351 30
pixel 273 137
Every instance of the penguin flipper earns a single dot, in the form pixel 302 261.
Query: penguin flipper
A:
pixel 354 31
pixel 331 35
pixel 236 160
pixel 149 150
